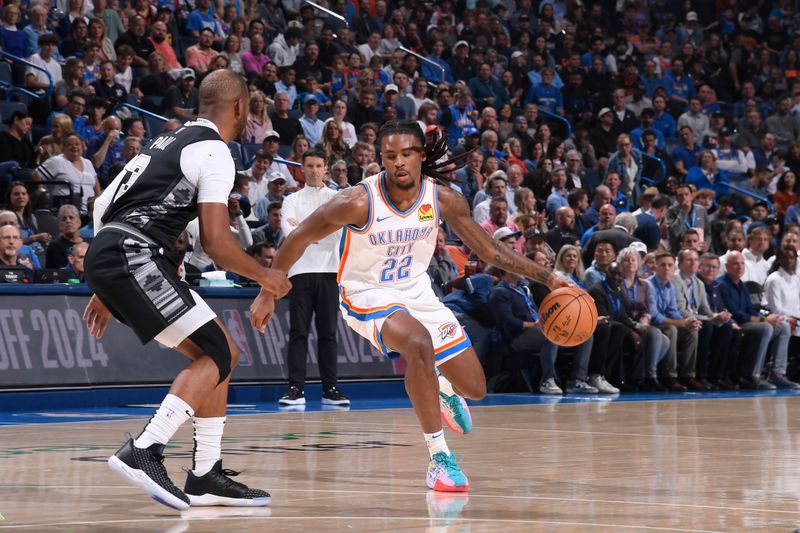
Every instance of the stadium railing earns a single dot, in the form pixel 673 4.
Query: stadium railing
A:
pixel 11 89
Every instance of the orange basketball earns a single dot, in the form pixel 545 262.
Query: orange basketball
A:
pixel 568 316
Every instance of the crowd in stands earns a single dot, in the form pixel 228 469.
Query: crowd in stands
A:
pixel 648 150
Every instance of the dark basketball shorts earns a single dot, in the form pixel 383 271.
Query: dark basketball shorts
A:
pixel 141 288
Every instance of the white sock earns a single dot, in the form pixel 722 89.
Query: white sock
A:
pixel 436 443
pixel 445 386
pixel 165 422
pixel 207 443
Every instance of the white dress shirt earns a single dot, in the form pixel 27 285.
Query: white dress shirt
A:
pixel 321 256
pixel 755 268
pixel 782 293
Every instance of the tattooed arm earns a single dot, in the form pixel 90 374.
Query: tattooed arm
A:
pixel 455 211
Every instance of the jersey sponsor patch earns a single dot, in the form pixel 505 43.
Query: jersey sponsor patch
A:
pixel 425 213
pixel 447 330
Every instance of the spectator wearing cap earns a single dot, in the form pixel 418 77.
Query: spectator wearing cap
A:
pixel 312 126
pixel 716 125
pixel 182 99
pixel 285 48
pixel 647 118
pixel 511 299
pixel 271 147
pixel 603 136
pixel 691 31
pixel 276 191
pixel 462 66
pixel 200 55
pixel 285 125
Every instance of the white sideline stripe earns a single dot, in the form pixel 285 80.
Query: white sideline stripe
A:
pixel 369 518
pixel 474 495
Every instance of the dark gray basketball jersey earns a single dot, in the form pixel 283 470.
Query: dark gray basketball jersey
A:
pixel 153 193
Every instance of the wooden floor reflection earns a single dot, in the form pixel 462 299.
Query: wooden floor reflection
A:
pixel 705 465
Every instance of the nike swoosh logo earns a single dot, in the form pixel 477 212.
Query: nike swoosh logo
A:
pixel 379 219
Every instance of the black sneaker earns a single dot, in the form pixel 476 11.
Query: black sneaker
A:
pixel 217 488
pixel 334 396
pixel 144 467
pixel 293 396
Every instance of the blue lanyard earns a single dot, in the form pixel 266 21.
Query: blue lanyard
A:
pixel 616 301
pixel 528 302
pixel 694 219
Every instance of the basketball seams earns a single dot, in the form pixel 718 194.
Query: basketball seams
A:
pixel 583 298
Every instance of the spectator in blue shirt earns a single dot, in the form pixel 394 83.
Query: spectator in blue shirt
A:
pixel 546 95
pixel 201 18
pixel 486 90
pixel 650 79
pixel 647 117
pixel 682 332
pixel 760 333
pixel 662 120
pixel 558 195
pixel 432 72
pixel 679 86
pixel 684 157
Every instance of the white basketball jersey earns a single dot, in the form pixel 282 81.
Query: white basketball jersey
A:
pixel 394 248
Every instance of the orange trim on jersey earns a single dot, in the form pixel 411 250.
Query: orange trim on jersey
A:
pixel 367 310
pixel 371 212
pixel 451 344
pixel 345 249
pixel 388 202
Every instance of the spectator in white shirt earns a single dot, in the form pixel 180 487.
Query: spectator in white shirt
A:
pixel 314 288
pixel 756 268
pixel 782 289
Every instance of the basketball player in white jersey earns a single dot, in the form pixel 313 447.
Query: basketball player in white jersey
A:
pixel 390 225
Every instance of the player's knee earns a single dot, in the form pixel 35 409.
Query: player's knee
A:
pixel 419 350
pixel 474 389
pixel 214 343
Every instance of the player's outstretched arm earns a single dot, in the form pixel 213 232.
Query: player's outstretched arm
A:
pixel 455 211
pixel 219 244
pixel 348 207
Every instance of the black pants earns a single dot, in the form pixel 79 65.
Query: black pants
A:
pixel 714 350
pixel 313 294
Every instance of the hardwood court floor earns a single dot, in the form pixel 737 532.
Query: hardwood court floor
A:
pixel 692 465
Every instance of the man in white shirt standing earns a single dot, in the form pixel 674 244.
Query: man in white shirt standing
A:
pixel 314 289
pixel 756 268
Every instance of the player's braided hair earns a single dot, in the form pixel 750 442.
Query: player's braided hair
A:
pixel 434 144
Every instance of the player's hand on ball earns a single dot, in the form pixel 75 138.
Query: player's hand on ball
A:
pixel 261 310
pixel 275 282
pixel 556 282
pixel 96 316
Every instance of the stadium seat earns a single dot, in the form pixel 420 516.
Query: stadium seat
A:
pixel 236 153
pixel 7 108
pixel 250 150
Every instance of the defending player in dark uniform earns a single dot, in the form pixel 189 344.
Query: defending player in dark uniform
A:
pixel 179 176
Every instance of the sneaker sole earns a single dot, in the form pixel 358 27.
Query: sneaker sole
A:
pixel 441 487
pixel 143 481
pixel 301 401
pixel 213 499
pixel 452 423
pixel 326 401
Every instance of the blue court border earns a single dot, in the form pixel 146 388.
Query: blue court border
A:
pixel 100 404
